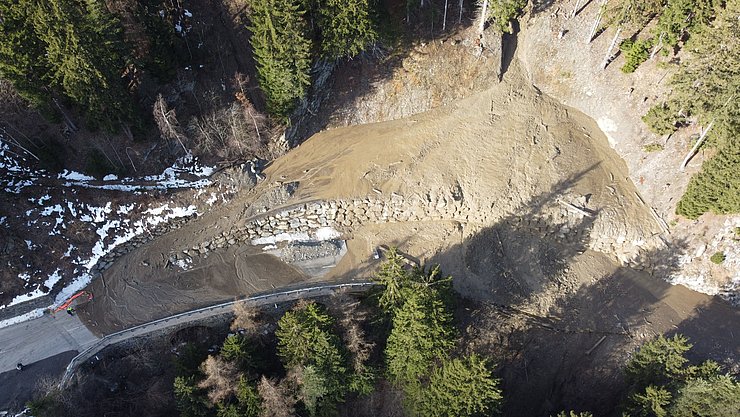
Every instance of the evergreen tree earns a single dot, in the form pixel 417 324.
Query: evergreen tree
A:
pixel 306 341
pixel 679 17
pixel 21 51
pixel 707 397
pixel 663 383
pixel 707 85
pixel 658 361
pixel 249 402
pixel 394 279
pixel 459 388
pixel 282 50
pixel 346 27
pixel 71 47
pixel 635 53
pixel 717 187
pixel 664 118
pixel 502 12
pixel 191 401
pixel 237 349
pixel 421 333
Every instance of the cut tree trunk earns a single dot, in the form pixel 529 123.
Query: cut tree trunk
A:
pixel 608 56
pixel 483 14
pixel 696 147
pixel 597 21
pixel 444 18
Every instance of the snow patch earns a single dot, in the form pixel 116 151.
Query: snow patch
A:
pixel 34 314
pixel 326 233
pixel 184 264
pixel 74 176
pixel 282 237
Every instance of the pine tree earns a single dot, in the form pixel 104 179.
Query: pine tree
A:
pixel 394 278
pixel 502 12
pixel 21 52
pixel 711 397
pixel 346 27
pixel 306 339
pixel 422 332
pixel 679 18
pixel 652 402
pixel 658 361
pixel 636 52
pixel 717 187
pixel 191 401
pixel 663 383
pixel 459 388
pixel 72 48
pixel 282 50
pixel 707 86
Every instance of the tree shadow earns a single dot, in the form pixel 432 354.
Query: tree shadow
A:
pixel 508 48
pixel 539 6
pixel 407 31
pixel 561 319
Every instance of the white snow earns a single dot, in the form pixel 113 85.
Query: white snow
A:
pixel 111 222
pixel 34 314
pixel 282 237
pixel 26 297
pixel 326 233
pixel 184 264
pixel 74 176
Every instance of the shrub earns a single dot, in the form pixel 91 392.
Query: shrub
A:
pixel 663 119
pixel 635 52
pixel 653 147
pixel 718 258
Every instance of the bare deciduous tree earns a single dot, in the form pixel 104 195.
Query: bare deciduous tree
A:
pixel 227 131
pixel 245 317
pixel 166 120
pixel 221 379
pixel 351 315
pixel 277 400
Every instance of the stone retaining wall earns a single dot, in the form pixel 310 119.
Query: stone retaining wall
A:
pixel 558 222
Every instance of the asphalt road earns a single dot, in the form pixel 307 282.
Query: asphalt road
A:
pixel 41 338
pixel 45 345
pixel 274 297
pixel 17 387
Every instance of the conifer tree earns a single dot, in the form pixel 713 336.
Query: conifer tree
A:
pixel 459 388
pixel 679 17
pixel 346 27
pixel 73 48
pixel 282 50
pixel 663 383
pixel 502 12
pixel 306 341
pixel 707 86
pixel 421 334
pixel 21 52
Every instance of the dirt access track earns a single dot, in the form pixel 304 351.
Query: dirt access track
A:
pixel 517 196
